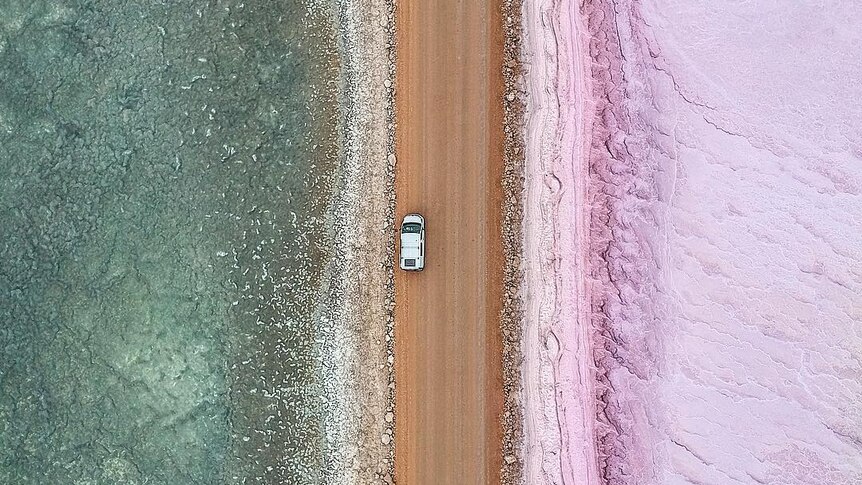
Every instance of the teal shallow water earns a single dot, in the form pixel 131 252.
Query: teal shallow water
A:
pixel 165 174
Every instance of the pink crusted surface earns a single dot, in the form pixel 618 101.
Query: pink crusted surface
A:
pixel 558 423
pixel 693 238
pixel 583 375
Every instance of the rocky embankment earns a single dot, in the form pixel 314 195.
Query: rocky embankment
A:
pixel 513 187
pixel 360 353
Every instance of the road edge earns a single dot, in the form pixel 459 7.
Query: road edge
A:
pixel 512 313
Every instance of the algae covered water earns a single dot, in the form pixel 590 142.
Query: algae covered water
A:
pixel 165 174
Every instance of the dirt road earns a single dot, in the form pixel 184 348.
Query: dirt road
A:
pixel 449 146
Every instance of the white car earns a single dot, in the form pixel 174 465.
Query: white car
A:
pixel 413 243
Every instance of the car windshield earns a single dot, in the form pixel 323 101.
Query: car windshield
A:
pixel 411 228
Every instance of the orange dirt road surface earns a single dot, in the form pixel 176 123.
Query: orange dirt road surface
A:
pixel 449 141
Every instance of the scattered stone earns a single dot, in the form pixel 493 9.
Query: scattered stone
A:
pixel 366 204
pixel 513 183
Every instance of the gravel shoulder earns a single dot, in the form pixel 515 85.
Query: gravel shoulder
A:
pixel 512 182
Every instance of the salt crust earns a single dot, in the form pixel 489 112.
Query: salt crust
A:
pixel 692 243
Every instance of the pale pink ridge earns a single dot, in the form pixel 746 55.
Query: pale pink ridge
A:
pixel 558 422
pixel 692 242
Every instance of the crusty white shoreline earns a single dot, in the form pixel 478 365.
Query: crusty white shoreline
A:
pixel 358 352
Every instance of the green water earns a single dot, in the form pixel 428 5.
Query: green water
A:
pixel 165 171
